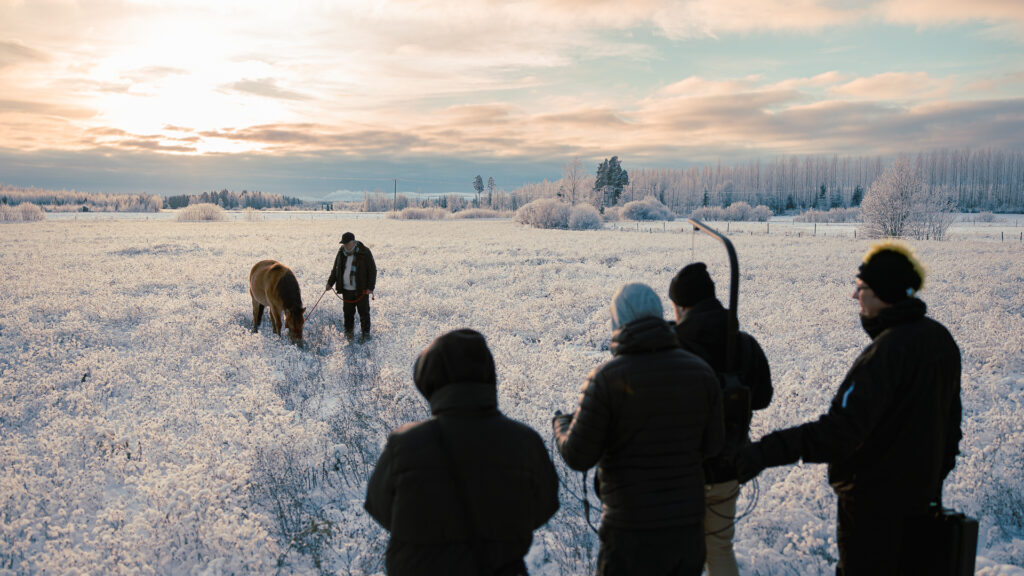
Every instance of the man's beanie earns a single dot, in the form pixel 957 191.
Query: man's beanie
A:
pixel 632 302
pixel 347 237
pixel 458 356
pixel 891 271
pixel 691 285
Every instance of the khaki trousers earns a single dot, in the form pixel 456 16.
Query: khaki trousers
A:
pixel 719 527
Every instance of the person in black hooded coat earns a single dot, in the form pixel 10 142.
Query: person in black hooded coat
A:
pixel 892 432
pixel 463 491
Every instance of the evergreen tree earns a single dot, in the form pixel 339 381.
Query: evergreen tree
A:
pixel 478 185
pixel 610 181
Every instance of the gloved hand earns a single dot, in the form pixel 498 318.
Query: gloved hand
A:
pixel 329 284
pixel 749 462
pixel 560 420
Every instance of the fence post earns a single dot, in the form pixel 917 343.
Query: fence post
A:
pixel 767 228
pixel 815 229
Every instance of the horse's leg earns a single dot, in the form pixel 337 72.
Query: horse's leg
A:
pixel 257 315
pixel 275 319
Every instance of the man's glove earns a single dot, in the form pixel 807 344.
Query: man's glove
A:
pixel 750 462
pixel 560 420
pixel 329 284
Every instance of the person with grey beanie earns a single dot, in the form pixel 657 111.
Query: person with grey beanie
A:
pixel 647 418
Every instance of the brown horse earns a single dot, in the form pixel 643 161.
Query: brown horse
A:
pixel 273 285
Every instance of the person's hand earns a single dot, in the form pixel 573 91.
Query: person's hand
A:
pixel 560 418
pixel 749 462
pixel 329 284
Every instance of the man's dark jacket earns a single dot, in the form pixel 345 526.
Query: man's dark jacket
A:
pixel 703 331
pixel 510 484
pixel 892 432
pixel 648 418
pixel 363 266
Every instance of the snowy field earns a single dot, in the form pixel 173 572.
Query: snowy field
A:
pixel 145 430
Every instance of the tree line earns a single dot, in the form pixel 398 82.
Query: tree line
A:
pixel 974 180
pixel 231 200
pixel 74 201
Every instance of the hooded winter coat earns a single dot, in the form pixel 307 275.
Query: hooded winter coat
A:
pixel 648 418
pixel 703 331
pixel 363 266
pixel 461 492
pixel 892 432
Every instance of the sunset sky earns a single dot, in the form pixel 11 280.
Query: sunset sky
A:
pixel 306 98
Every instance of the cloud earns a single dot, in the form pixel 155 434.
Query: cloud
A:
pixel 266 87
pixel 895 86
pixel 14 53
pixel 942 12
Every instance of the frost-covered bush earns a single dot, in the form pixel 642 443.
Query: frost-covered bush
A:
pixel 985 217
pixel 201 213
pixel 252 215
pixel 647 209
pixel 612 214
pixel 413 213
pixel 584 217
pixel 24 212
pixel 482 213
pixel 736 212
pixel 544 213
pixel 832 216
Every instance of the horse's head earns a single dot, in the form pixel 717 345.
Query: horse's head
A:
pixel 294 320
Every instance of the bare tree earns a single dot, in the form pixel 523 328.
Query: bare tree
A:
pixel 932 213
pixel 887 205
pixel 572 180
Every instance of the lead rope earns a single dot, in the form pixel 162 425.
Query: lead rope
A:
pixel 584 499
pixel 315 305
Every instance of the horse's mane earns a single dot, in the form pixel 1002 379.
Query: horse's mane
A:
pixel 288 290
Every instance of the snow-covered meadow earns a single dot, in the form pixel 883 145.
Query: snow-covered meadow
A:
pixel 145 429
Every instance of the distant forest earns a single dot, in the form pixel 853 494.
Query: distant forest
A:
pixel 976 180
pixel 231 200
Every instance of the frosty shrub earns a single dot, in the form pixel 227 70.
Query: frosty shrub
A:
pixel 985 217
pixel 201 213
pixel 647 209
pixel 584 217
pixel 252 215
pixel 419 214
pixel 833 216
pixel 737 212
pixel 24 212
pixel 482 213
pixel 544 213
pixel 612 214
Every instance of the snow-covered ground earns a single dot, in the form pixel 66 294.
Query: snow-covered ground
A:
pixel 145 429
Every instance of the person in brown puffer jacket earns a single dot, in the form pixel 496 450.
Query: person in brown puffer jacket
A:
pixel 648 418
pixel 463 491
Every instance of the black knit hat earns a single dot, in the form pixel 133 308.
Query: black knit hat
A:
pixel 347 237
pixel 892 272
pixel 691 285
pixel 458 356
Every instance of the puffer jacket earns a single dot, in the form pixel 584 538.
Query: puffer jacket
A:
pixel 648 418
pixel 892 432
pixel 510 484
pixel 703 332
pixel 364 267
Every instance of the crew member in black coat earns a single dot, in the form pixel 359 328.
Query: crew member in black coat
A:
pixel 701 328
pixel 648 418
pixel 892 433
pixel 463 491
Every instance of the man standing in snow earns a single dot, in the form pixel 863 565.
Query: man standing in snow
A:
pixel 463 491
pixel 892 433
pixel 355 273
pixel 701 328
pixel 648 418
